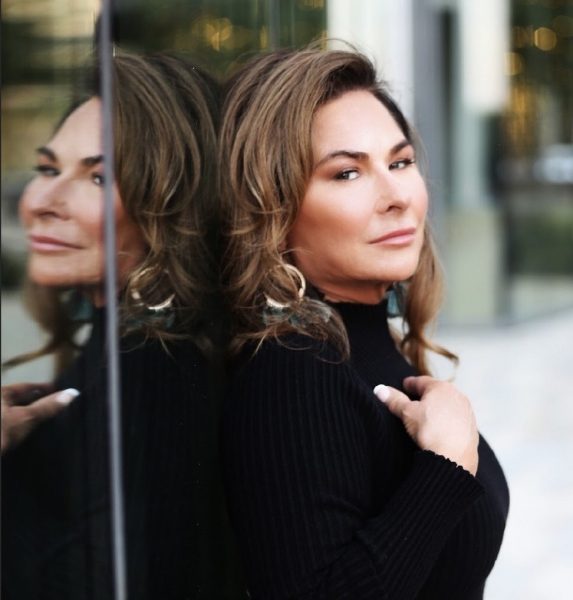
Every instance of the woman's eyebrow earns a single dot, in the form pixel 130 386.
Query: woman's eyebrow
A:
pixel 47 152
pixel 345 153
pixel 399 146
pixel 357 155
pixel 88 161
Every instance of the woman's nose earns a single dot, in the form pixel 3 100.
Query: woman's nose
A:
pixel 45 197
pixel 393 194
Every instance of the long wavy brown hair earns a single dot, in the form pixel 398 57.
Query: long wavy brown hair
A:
pixel 266 163
pixel 165 120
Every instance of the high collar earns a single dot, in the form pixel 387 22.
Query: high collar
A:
pixel 373 349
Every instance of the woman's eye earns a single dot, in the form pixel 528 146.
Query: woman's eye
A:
pixel 98 179
pixel 46 170
pixel 346 175
pixel 402 164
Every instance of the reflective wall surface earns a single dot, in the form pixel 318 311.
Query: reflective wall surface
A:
pixel 63 534
pixel 45 47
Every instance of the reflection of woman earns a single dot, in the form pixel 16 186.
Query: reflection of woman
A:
pixel 332 496
pixel 56 519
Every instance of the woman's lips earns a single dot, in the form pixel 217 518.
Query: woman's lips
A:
pixel 398 237
pixel 42 243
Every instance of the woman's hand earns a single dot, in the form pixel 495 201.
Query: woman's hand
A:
pixel 25 405
pixel 442 421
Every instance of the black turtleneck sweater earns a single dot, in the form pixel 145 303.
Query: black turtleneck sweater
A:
pixel 330 497
pixel 56 523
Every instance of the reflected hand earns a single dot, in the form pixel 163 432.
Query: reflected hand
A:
pixel 25 405
pixel 442 421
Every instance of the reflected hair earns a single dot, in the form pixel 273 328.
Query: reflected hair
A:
pixel 265 148
pixel 165 118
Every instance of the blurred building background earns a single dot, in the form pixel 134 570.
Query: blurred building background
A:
pixel 489 86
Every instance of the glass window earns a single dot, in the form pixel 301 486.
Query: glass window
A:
pixel 535 167
pixel 59 537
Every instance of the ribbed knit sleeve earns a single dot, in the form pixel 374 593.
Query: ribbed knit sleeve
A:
pixel 299 473
pixel 56 521
pixel 166 459
pixel 178 543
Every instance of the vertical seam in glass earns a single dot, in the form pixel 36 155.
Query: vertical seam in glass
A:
pixel 113 377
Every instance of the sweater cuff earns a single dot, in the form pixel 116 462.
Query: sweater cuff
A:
pixel 448 479
pixel 420 516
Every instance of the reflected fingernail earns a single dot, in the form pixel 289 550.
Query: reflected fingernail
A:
pixel 382 392
pixel 66 396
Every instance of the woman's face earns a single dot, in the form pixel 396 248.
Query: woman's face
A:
pixel 361 223
pixel 62 210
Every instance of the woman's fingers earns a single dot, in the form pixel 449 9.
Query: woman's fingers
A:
pixel 47 407
pixel 418 385
pixel 442 421
pixel 18 421
pixel 394 399
pixel 24 393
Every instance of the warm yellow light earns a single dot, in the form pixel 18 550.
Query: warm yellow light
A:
pixel 312 3
pixel 55 19
pixel 520 36
pixel 218 33
pixel 513 63
pixel 263 38
pixel 545 39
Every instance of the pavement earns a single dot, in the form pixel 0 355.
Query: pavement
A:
pixel 520 380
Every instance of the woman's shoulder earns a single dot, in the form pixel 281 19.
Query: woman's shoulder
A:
pixel 157 369
pixel 138 349
pixel 298 374
pixel 286 352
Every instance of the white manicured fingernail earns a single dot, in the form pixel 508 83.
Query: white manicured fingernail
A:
pixel 382 392
pixel 66 396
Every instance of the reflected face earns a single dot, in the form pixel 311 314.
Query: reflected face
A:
pixel 62 210
pixel 361 223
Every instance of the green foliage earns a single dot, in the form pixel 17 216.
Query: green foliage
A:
pixel 12 269
pixel 218 32
pixel 542 244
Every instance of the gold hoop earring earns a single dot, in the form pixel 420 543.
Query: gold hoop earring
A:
pixel 274 304
pixel 137 296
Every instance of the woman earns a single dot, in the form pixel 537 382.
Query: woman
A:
pixel 56 516
pixel 331 495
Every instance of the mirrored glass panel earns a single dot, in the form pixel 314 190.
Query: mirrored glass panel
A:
pixel 60 538
pixel 56 533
